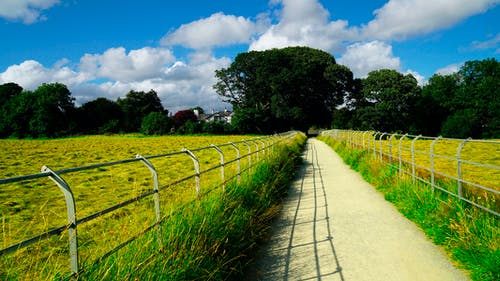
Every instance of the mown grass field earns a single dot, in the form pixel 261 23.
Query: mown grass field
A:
pixel 31 207
pixel 479 162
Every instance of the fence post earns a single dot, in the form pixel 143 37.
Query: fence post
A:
pixel 238 169
pixel 381 146
pixel 263 147
pixel 401 155
pixel 390 147
pixel 249 153
pixel 257 149
pixel 196 163
pixel 459 167
pixel 375 144
pixel 221 166
pixel 431 161
pixel 71 212
pixel 413 158
pixel 156 196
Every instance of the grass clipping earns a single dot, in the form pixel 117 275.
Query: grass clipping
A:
pixel 470 236
pixel 211 238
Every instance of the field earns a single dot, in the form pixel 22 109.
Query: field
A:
pixel 31 207
pixel 479 161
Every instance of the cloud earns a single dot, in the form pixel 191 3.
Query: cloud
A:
pixel 30 74
pixel 116 64
pixel 114 73
pixel 420 79
pixel 449 69
pixel 400 19
pixel 217 30
pixel 304 23
pixel 488 44
pixel 27 11
pixel 362 58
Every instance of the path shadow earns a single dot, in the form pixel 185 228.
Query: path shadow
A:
pixel 301 245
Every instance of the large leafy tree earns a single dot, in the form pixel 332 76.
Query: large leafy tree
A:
pixel 53 112
pixel 463 104
pixel 136 105
pixel 280 89
pixel 98 115
pixel 390 96
pixel 8 92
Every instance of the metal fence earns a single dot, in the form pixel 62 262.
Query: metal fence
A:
pixel 467 169
pixel 256 148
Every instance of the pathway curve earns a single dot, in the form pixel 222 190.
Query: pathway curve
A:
pixel 335 226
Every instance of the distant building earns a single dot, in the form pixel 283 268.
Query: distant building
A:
pixel 221 116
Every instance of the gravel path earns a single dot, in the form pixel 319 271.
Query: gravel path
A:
pixel 335 226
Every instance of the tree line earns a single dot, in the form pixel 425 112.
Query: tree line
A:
pixel 301 87
pixel 50 111
pixel 274 91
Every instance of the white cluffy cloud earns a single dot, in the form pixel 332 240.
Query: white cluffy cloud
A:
pixel 304 23
pixel 137 65
pixel 217 30
pixel 28 11
pixel 30 74
pixel 179 84
pixel 401 19
pixel 362 58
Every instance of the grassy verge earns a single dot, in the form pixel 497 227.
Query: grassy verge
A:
pixel 210 238
pixel 470 236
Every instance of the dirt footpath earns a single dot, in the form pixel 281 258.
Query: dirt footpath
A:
pixel 335 226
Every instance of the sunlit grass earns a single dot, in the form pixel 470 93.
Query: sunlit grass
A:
pixel 31 207
pixel 470 236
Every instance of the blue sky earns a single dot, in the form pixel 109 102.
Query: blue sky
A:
pixel 106 48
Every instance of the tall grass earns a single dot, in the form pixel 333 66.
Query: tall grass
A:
pixel 210 238
pixel 471 237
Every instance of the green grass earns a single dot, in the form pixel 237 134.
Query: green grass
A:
pixel 211 238
pixel 471 237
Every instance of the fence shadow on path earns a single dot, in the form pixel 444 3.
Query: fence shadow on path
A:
pixel 301 246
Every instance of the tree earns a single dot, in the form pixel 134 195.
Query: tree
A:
pixel 156 123
pixel 391 96
pixel 100 116
pixel 8 91
pixel 136 105
pixel 280 89
pixel 183 116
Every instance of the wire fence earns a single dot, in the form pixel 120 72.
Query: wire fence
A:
pixel 234 159
pixel 467 169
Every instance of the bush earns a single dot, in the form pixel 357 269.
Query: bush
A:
pixel 156 123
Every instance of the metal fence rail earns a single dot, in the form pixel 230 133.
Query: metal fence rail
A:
pixel 260 147
pixel 417 157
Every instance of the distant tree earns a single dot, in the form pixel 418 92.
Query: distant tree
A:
pixel 100 116
pixel 156 123
pixel 280 89
pixel 8 91
pixel 464 104
pixel 53 111
pixel 136 105
pixel 18 113
pixel 182 116
pixel 200 110
pixel 390 95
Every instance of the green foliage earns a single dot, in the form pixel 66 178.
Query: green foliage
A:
pixel 156 123
pixel 469 235
pixel 47 112
pixel 99 115
pixel 279 89
pixel 136 105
